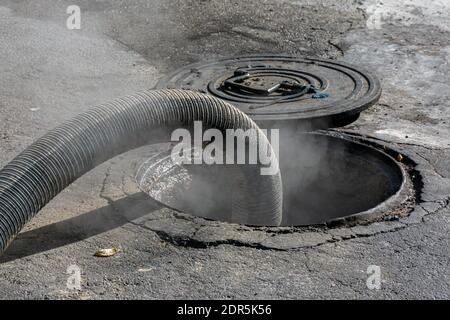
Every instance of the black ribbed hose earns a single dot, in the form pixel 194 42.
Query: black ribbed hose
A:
pixel 67 152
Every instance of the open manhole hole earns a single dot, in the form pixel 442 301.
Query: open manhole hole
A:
pixel 325 179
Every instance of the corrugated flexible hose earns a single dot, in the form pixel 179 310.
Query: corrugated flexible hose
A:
pixel 67 152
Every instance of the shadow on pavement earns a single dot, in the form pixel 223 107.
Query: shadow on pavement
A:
pixel 80 227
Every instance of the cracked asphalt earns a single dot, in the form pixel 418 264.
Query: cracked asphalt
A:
pixel 50 73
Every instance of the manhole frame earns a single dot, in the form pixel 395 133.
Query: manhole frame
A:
pixel 403 200
pixel 397 205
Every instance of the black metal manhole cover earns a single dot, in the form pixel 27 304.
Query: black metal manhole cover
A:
pixel 272 87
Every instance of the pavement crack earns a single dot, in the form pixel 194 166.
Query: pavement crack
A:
pixel 443 203
pixel 102 193
pixel 307 263
pixel 431 165
pixel 337 47
pixel 192 242
pixel 367 137
pixel 343 284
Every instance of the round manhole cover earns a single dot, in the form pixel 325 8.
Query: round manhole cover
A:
pixel 271 87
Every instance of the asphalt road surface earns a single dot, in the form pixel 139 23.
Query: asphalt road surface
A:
pixel 50 73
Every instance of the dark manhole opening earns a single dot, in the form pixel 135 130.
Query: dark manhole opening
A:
pixel 326 179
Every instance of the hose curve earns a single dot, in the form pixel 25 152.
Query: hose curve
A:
pixel 67 152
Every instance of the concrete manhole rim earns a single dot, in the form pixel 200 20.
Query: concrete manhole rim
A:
pixel 395 207
pixel 403 200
